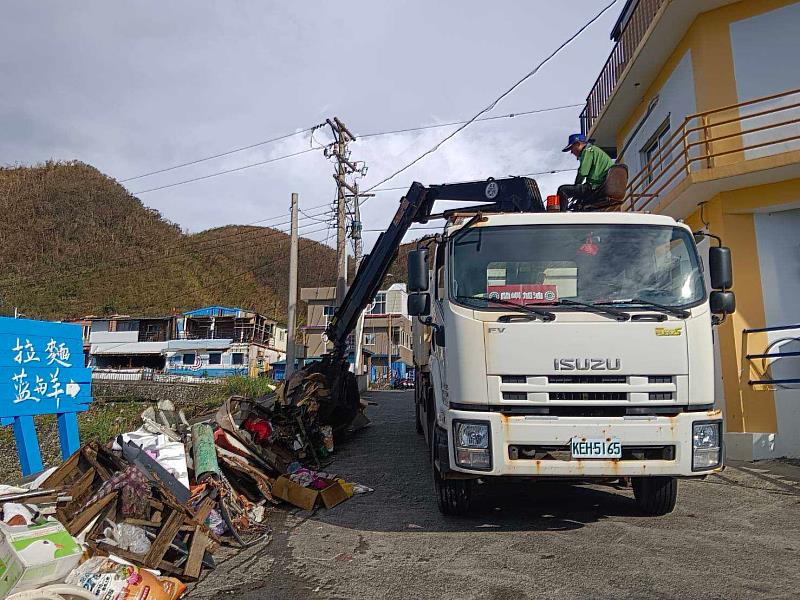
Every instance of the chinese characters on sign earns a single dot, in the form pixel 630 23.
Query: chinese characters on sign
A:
pixel 42 373
pixel 523 293
pixel 58 355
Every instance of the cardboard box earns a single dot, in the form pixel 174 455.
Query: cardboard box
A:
pixel 333 494
pixel 306 498
pixel 34 555
pixel 294 493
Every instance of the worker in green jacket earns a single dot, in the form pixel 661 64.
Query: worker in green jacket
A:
pixel 594 166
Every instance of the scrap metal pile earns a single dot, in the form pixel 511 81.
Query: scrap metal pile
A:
pixel 144 514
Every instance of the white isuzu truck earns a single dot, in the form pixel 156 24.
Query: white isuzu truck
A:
pixel 573 345
pixel 567 345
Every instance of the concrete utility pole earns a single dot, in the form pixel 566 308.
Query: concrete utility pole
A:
pixel 355 233
pixel 389 345
pixel 291 313
pixel 344 167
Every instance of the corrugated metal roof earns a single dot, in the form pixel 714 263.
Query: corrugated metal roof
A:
pixel 110 348
pixel 205 344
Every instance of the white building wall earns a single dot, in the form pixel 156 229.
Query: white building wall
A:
pixel 765 58
pixel 676 100
pixel 778 238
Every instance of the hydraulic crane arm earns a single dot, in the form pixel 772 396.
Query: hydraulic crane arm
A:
pixel 514 194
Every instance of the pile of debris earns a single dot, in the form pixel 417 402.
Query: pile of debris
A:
pixel 148 510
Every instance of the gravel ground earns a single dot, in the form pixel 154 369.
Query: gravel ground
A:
pixel 734 535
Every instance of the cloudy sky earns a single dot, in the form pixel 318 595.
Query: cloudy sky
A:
pixel 134 87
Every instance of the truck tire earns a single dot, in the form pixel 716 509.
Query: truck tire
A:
pixel 419 397
pixel 655 496
pixel 453 496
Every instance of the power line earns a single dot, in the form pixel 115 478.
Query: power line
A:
pixel 451 123
pixel 494 103
pixel 226 171
pixel 221 154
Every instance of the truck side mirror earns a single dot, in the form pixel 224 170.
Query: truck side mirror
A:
pixel 722 303
pixel 419 305
pixel 417 271
pixel 720 267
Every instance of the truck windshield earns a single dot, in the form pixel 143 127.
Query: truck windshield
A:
pixel 532 264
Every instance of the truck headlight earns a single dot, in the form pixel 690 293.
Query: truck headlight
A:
pixel 472 441
pixel 706 445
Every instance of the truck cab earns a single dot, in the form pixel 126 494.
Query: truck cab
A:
pixel 567 345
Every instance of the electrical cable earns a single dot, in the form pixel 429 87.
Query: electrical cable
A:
pixel 451 123
pixel 494 103
pixel 226 171
pixel 226 153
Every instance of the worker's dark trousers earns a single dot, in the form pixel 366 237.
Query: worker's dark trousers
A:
pixel 580 191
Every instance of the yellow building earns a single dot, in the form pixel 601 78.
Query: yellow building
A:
pixel 701 99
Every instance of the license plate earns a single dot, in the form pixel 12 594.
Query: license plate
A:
pixel 595 448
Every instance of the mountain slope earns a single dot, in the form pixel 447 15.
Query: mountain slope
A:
pixel 75 242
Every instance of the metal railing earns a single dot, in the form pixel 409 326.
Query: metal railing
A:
pixel 751 129
pixel 626 45
pixel 769 356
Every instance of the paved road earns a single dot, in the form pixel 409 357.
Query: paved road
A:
pixel 735 535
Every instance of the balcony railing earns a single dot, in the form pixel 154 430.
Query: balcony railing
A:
pixel 769 364
pixel 723 136
pixel 628 41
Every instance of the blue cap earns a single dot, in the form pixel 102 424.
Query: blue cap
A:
pixel 575 137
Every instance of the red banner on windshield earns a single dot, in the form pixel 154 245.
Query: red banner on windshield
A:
pixel 523 293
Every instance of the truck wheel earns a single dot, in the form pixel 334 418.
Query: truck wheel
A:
pixel 454 496
pixel 656 496
pixel 419 396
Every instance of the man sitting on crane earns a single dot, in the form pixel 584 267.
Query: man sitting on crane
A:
pixel 594 166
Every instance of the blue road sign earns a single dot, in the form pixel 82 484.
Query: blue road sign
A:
pixel 42 373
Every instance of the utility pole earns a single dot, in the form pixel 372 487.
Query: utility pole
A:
pixel 344 167
pixel 355 233
pixel 389 345
pixel 291 313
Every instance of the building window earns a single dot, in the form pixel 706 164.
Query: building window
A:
pixel 237 358
pixel 328 312
pixel 215 358
pixel 369 339
pixel 653 158
pixel 189 358
pixel 379 304
pixel 127 325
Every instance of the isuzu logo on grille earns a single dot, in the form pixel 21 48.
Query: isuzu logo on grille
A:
pixel 587 364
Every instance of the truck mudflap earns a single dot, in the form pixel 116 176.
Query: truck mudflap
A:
pixel 540 447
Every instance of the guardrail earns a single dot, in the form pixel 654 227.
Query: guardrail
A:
pixel 147 375
pixel 752 129
pixel 629 39
pixel 769 355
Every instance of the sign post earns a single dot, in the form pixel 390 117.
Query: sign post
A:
pixel 42 373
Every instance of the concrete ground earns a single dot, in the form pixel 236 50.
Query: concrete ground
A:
pixel 734 535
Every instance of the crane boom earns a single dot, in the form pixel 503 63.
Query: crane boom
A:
pixel 514 194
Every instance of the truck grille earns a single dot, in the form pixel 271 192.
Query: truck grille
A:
pixel 587 379
pixel 589 396
pixel 589 388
